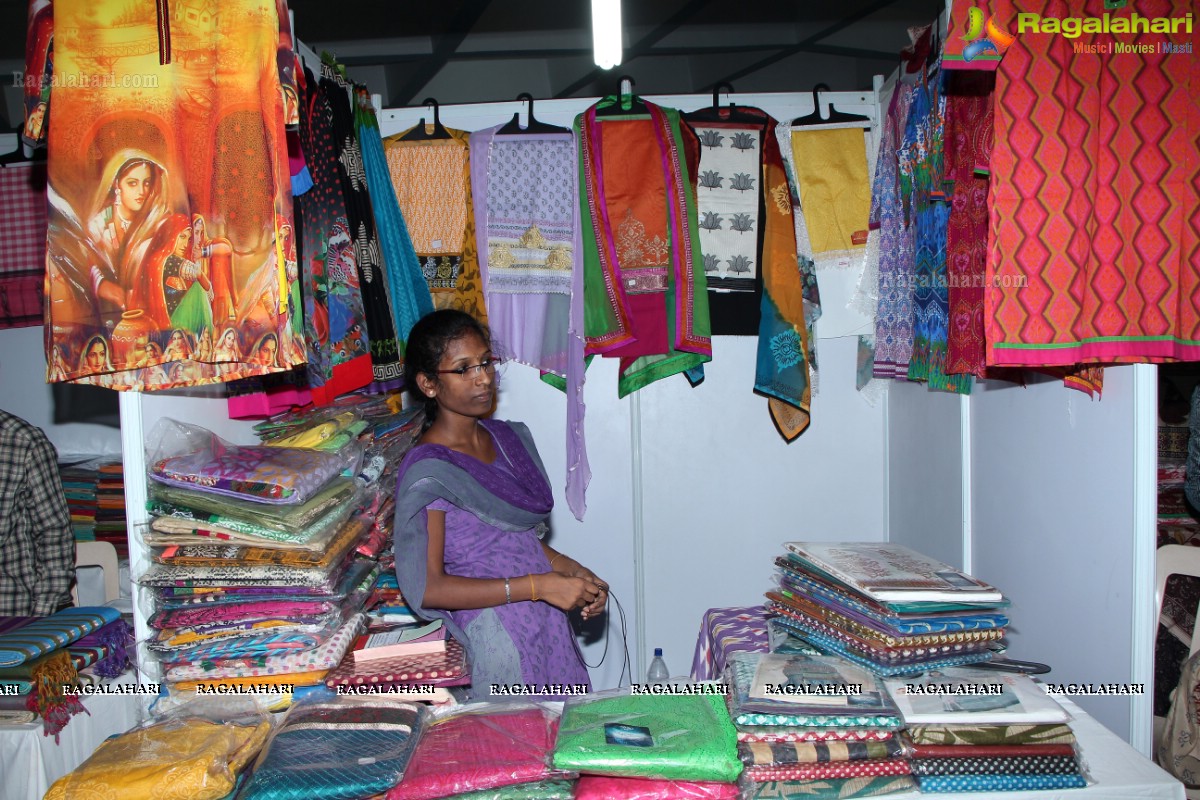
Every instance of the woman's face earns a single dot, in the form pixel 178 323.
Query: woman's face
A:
pixel 183 243
pixel 176 340
pixel 134 186
pixel 474 393
pixel 95 355
pixel 227 338
pixel 198 229
pixel 266 353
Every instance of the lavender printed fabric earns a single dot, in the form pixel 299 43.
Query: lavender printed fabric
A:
pixel 279 475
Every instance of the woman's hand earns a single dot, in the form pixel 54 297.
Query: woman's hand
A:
pixel 601 599
pixel 565 592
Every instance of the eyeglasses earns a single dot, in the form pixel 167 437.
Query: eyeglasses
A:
pixel 489 365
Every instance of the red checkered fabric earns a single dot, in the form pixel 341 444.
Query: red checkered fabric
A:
pixel 22 244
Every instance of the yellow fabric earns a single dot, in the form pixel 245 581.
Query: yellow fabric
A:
pixel 316 435
pixel 835 190
pixel 310 678
pixel 193 759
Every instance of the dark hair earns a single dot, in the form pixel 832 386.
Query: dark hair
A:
pixel 427 344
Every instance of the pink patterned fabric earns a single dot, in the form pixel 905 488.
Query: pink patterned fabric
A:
pixel 473 751
pixel 597 787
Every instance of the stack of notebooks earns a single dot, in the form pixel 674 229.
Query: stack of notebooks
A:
pixel 885 607
pixel 975 730
pixel 814 726
pixel 263 559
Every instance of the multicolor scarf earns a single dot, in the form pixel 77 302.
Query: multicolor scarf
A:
pixel 25 642
pixel 646 302
pixel 514 501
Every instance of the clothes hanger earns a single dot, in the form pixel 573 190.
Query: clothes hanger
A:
pixel 835 116
pixel 532 125
pixel 715 113
pixel 418 133
pixel 625 102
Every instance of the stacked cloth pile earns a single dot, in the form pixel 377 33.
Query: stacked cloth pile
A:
pixel 649 746
pixel 970 731
pixel 110 507
pixel 79 481
pixel 814 727
pixel 40 657
pixel 95 491
pixel 263 558
pixel 885 607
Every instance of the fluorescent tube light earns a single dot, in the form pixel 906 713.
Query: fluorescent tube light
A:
pixel 606 32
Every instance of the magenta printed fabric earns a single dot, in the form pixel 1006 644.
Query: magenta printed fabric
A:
pixel 817 772
pixel 603 787
pixel 473 751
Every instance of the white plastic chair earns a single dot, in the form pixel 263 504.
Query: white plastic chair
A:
pixel 103 555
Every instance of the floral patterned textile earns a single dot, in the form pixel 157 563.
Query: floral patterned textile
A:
pixel 972 735
pixel 280 475
pixel 830 789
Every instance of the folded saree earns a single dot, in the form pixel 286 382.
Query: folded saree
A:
pixel 247 516
pixel 346 585
pixel 273 475
pixel 743 668
pixel 951 735
pixel 538 790
pixel 604 787
pixel 869 627
pixel 829 789
pixel 40 636
pixel 784 753
pixel 998 783
pixel 1008 765
pixel 341 748
pixel 262 644
pixel 175 639
pixel 783 733
pixel 820 772
pixel 312 578
pixel 888 649
pixel 675 737
pixel 292 680
pixel 192 758
pixel 316 537
pixel 228 613
pixel 325 656
pixel 988 750
pixel 105 650
pixel 483 746
pixel 220 555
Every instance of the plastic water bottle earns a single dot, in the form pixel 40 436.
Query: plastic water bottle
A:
pixel 658 671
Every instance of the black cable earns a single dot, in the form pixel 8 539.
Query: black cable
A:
pixel 625 665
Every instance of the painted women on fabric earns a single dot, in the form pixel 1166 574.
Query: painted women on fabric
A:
pixel 167 185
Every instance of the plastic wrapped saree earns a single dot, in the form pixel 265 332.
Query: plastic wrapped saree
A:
pixel 493 513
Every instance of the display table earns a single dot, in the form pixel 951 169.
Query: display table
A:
pixel 30 762
pixel 1118 771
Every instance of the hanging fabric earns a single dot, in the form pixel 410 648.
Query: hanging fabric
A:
pixel 1095 211
pixel 385 355
pixel 432 180
pixel 22 244
pixel 339 355
pixel 527 219
pixel 169 192
pixel 409 292
pixel 645 296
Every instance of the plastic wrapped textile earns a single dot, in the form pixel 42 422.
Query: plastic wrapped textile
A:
pixel 170 640
pixel 951 735
pixel 319 433
pixel 797 683
pixel 280 684
pixel 742 669
pixel 188 456
pixel 340 748
pixel 834 646
pixel 190 757
pixel 480 746
pixel 538 790
pixel 916 751
pixel 237 612
pixel 832 789
pixel 441 669
pixel 673 737
pixel 820 772
pixel 36 638
pixel 324 657
pixel 349 584
pixel 170 529
pixel 322 579
pixel 262 644
pixel 225 555
pixel 228 511
pixel 998 783
pixel 784 733
pixel 786 753
pixel 604 787
pixel 889 650
pixel 1010 765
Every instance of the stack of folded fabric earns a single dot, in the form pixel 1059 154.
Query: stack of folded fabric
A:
pixel 110 507
pixel 260 561
pixel 37 665
pixel 885 607
pixel 79 481
pixel 500 748
pixel 975 731
pixel 639 746
pixel 814 727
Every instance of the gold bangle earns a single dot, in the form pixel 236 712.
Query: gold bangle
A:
pixel 532 589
